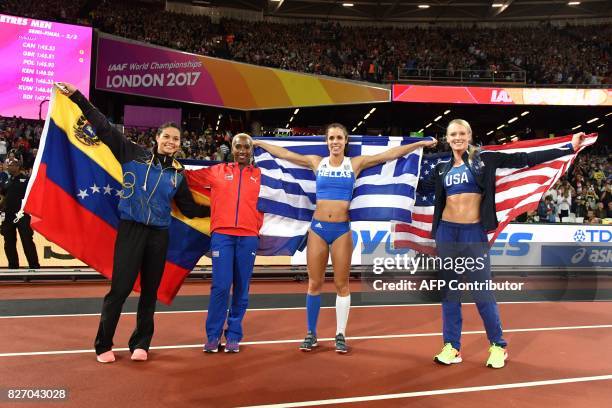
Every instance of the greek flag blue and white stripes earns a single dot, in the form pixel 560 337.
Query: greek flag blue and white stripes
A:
pixel 287 197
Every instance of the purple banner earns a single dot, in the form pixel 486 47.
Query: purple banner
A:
pixel 139 69
pixel 147 116
pixel 142 69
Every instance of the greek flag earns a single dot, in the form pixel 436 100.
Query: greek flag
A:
pixel 385 192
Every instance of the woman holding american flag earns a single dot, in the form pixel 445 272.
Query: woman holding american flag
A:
pixel 463 214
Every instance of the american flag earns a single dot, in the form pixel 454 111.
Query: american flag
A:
pixel 516 191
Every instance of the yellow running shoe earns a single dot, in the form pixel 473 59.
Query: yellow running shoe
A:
pixel 449 355
pixel 497 356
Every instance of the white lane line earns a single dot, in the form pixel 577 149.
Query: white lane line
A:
pixel 330 339
pixel 437 392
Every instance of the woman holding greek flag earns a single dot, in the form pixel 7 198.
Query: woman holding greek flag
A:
pixel 330 227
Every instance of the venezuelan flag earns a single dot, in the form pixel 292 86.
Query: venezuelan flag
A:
pixel 74 192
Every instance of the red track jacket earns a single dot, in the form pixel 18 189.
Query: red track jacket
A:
pixel 233 198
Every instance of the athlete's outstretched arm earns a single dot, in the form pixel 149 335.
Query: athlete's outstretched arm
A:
pixel 310 161
pixel 363 162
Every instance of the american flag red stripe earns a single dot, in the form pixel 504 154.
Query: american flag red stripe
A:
pixel 516 191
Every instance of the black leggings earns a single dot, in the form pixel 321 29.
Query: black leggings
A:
pixel 138 248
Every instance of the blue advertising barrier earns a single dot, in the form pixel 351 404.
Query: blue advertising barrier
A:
pixel 577 256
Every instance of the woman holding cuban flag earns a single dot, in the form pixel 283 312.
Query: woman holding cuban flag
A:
pixel 234 225
pixel 464 211
pixel 330 227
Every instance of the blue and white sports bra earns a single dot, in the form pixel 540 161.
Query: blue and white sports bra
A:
pixel 460 180
pixel 335 183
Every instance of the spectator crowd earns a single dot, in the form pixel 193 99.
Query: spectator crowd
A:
pixel 583 196
pixel 547 54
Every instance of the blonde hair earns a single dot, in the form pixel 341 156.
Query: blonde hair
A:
pixel 462 122
pixel 245 135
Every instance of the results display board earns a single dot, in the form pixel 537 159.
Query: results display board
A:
pixel 34 54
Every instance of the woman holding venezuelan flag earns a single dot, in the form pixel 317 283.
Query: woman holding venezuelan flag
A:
pixel 151 181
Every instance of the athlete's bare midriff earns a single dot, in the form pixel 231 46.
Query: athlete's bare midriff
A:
pixel 332 210
pixel 462 208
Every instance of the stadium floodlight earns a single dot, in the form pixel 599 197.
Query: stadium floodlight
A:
pixel 287 126
pixel 515 139
pixel 577 127
pixel 421 130
pixel 609 113
pixel 348 4
pixel 497 5
pixel 354 129
pixel 514 119
pixel 423 6
pixel 489 132
pixel 438 118
pixel 366 116
pixel 600 126
pixel 501 127
pixel 592 120
pixel 573 3
pixel 291 119
pixel 372 110
pixel 360 123
pixel 446 112
pixel 428 125
pixel 525 113
pixel 295 112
